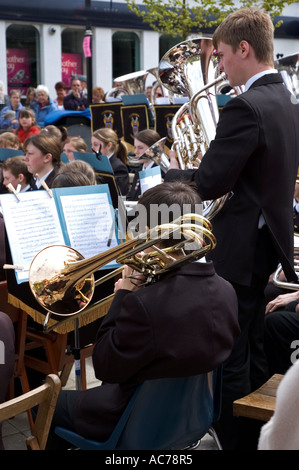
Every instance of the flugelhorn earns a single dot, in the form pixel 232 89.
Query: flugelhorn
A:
pixel 156 154
pixel 62 281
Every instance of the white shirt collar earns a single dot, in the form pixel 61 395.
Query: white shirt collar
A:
pixel 257 76
pixel 38 181
pixel 148 166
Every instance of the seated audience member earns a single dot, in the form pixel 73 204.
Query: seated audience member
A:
pixel 15 172
pixel 200 306
pixel 10 114
pixel 75 100
pixel 75 171
pixel 27 125
pixel 7 359
pixel 42 156
pixel 281 432
pixel 43 106
pixel 105 141
pixel 61 92
pixel 98 95
pixel 74 144
pixel 142 141
pixel 30 97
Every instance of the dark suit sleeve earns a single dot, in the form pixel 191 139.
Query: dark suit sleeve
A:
pixel 124 342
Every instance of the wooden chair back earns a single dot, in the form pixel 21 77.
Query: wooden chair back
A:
pixel 45 397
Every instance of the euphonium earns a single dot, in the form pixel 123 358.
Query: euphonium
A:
pixel 191 68
pixel 62 281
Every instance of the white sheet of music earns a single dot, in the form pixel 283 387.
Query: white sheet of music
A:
pixel 32 224
pixel 90 223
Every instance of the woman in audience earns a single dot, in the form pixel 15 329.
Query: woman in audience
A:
pixel 10 114
pixel 42 156
pixel 43 106
pixel 105 141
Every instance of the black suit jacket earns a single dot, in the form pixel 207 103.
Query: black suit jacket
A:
pixel 255 155
pixel 121 174
pixel 184 324
pixel 135 191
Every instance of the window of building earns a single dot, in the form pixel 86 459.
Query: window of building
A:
pixel 23 52
pixel 73 62
pixel 166 42
pixel 125 53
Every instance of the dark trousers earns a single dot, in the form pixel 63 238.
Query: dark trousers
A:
pixel 282 339
pixel 246 368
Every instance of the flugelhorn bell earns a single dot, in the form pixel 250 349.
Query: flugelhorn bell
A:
pixel 156 154
pixel 61 280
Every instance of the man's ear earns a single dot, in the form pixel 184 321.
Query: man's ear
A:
pixel 244 46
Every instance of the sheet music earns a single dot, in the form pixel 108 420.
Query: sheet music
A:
pixel 150 178
pixel 90 223
pixel 31 224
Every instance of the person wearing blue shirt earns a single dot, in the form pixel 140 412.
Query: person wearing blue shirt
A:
pixel 9 118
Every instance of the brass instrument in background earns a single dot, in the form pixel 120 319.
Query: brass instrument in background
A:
pixel 129 84
pixel 288 66
pixel 191 68
pixel 156 154
pixel 62 281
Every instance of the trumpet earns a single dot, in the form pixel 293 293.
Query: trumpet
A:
pixel 62 281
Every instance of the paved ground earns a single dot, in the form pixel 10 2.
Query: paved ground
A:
pixel 17 429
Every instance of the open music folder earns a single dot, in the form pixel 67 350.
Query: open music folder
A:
pixel 82 217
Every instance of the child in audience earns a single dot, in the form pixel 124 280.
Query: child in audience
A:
pixel 27 125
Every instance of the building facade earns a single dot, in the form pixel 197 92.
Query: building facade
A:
pixel 46 41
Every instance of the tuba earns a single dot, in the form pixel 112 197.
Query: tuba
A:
pixel 191 69
pixel 62 281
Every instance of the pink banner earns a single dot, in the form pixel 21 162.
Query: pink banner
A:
pixel 18 69
pixel 71 65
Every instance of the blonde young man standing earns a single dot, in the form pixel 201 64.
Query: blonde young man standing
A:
pixel 254 156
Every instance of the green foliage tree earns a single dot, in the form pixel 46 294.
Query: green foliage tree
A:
pixel 181 17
